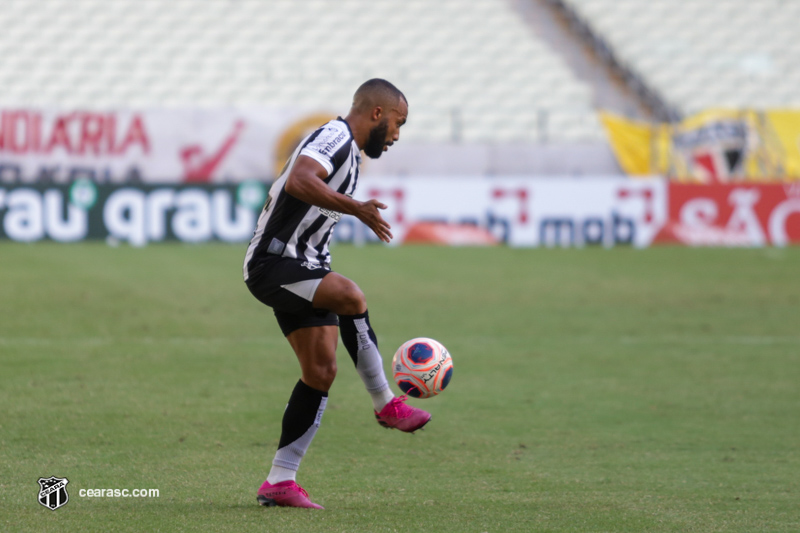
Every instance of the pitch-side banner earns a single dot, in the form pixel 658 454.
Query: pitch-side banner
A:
pixel 135 215
pixel 517 211
pixel 521 211
pixel 715 146
pixel 733 215
pixel 151 145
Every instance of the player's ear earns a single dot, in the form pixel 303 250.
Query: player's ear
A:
pixel 377 113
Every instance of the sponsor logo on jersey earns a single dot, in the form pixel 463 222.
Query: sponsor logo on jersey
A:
pixel 333 215
pixel 329 143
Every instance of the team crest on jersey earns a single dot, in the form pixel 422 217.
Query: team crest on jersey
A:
pixel 53 492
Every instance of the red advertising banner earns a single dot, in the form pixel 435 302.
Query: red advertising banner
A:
pixel 732 215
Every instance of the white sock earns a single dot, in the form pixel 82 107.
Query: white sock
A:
pixel 381 398
pixel 279 473
pixel 370 367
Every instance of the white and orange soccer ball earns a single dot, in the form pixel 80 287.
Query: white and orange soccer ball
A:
pixel 422 367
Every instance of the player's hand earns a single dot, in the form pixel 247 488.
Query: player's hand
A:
pixel 368 213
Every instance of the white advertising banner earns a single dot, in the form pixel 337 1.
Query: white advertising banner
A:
pixel 148 146
pixel 516 211
pixel 523 211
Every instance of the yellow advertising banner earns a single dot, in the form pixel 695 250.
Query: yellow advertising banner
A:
pixel 715 146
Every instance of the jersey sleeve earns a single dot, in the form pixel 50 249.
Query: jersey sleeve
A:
pixel 329 147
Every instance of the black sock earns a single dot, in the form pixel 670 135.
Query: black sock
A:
pixel 356 332
pixel 362 345
pixel 300 423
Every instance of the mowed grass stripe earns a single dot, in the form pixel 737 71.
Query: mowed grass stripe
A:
pixel 708 339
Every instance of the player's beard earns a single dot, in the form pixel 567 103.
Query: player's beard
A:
pixel 377 140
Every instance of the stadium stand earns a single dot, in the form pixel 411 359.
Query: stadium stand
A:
pixel 699 54
pixel 474 74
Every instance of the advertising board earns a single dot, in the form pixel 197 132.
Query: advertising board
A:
pixel 131 214
pixel 733 215
pixel 45 146
pixel 524 211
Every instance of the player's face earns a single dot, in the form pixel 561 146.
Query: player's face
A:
pixel 387 131
pixel 377 140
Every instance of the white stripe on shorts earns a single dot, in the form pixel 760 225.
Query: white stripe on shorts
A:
pixel 304 289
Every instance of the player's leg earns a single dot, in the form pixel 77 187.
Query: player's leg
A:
pixel 315 348
pixel 343 297
pixel 339 295
pixel 288 287
pixel 316 351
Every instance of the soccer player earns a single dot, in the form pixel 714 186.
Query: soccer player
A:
pixel 288 267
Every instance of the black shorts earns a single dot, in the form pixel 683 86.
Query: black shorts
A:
pixel 288 285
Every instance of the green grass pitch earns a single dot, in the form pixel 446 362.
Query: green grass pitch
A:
pixel 594 390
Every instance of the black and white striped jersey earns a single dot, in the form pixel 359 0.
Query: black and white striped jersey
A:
pixel 289 227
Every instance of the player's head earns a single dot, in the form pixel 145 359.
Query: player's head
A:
pixel 385 109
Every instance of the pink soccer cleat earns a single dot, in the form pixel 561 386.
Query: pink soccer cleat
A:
pixel 397 415
pixel 285 494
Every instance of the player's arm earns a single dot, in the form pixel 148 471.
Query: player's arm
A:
pixel 305 182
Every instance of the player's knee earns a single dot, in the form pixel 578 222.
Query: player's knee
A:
pixel 352 301
pixel 325 374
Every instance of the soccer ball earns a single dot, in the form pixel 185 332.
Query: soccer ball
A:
pixel 422 367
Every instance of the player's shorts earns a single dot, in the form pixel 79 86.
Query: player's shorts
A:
pixel 288 285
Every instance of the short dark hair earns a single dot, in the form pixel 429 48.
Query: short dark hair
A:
pixel 374 92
